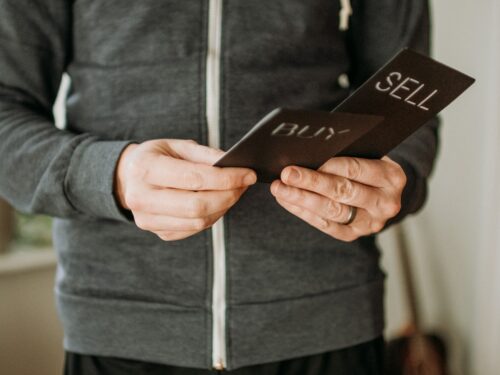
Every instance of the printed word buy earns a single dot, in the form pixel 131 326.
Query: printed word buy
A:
pixel 287 129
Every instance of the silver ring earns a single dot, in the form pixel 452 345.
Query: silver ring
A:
pixel 352 215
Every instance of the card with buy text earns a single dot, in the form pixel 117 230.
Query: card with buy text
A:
pixel 401 97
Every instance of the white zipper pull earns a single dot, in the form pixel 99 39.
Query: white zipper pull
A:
pixel 345 13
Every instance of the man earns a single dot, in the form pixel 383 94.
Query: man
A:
pixel 168 264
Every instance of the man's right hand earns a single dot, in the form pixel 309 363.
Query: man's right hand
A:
pixel 172 188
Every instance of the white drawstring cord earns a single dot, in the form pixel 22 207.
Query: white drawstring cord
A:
pixel 345 13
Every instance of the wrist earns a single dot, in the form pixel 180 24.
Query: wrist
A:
pixel 120 175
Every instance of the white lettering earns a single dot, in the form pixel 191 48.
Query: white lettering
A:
pixel 402 86
pixel 286 129
pixel 332 133
pixel 421 104
pixel 413 94
pixel 379 87
pixel 407 84
pixel 301 133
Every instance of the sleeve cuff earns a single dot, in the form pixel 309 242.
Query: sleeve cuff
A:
pixel 89 183
pixel 414 193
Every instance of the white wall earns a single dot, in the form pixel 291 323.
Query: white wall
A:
pixel 449 239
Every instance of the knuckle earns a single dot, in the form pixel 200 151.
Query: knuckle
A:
pixel 134 200
pixel 327 164
pixel 221 202
pixel 141 222
pixel 197 208
pixel 193 180
pixel 173 235
pixel 376 226
pixel 233 197
pixel 201 223
pixel 393 208
pixel 397 176
pixel 344 190
pixel 323 224
pixel 333 209
pixel 165 236
pixel 353 168
pixel 228 181
pixel 378 204
pixel 296 209
pixel 312 179
pixel 351 237
pixel 228 199
pixel 330 161
pixel 295 195
pixel 399 180
pixel 136 171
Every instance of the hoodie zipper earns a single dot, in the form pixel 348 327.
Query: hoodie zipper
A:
pixel 219 359
pixel 219 250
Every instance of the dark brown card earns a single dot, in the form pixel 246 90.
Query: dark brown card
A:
pixel 402 96
pixel 408 91
pixel 285 137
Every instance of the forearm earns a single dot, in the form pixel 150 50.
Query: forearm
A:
pixel 46 170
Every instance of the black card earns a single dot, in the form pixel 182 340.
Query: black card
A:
pixel 408 91
pixel 285 137
pixel 402 96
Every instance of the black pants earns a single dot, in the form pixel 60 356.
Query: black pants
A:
pixel 363 359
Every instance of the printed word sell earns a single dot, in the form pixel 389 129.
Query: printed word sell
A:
pixel 409 90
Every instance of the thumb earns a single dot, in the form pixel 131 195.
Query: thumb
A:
pixel 192 151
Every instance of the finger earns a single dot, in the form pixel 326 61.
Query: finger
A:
pixel 336 188
pixel 362 225
pixel 174 236
pixel 338 231
pixel 182 203
pixel 193 151
pixel 166 171
pixel 161 223
pixel 378 173
pixel 320 205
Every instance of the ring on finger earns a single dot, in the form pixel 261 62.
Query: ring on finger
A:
pixel 352 215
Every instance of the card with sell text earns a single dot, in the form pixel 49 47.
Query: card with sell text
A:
pixel 408 91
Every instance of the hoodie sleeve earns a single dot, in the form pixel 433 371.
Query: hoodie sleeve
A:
pixel 378 30
pixel 43 169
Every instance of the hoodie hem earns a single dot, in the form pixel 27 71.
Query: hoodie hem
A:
pixel 174 335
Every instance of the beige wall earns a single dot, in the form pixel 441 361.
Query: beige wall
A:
pixel 30 334
pixel 449 237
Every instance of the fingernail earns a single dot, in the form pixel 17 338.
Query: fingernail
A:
pixel 293 175
pixel 250 179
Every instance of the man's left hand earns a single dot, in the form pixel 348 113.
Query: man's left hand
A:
pixel 323 198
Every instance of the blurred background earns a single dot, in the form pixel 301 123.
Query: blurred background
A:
pixel 455 240
pixel 454 243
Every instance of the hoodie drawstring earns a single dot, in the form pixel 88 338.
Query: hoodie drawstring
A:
pixel 345 13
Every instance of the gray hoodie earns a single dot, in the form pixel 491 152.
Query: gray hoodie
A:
pixel 261 286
